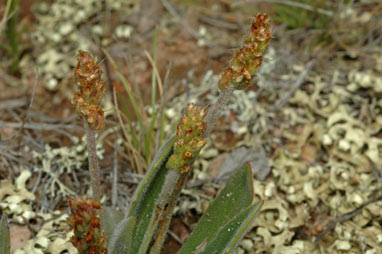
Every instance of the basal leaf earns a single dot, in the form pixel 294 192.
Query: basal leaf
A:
pixel 145 199
pixel 229 236
pixel 111 218
pixel 120 240
pixel 236 196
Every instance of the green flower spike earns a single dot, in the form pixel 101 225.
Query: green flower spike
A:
pixel 247 60
pixel 190 138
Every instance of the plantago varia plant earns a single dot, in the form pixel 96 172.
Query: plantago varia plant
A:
pixel 85 219
pixel 230 215
pixel 144 226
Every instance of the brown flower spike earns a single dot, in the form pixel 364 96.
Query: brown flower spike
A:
pixel 190 140
pixel 90 89
pixel 247 60
pixel 88 236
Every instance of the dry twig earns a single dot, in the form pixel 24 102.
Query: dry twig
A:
pixel 345 217
pixel 12 103
pixel 299 81
pixel 182 21
pixel 288 2
pixel 40 126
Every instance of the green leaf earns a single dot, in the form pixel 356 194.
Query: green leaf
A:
pixel 229 236
pixel 5 245
pixel 119 242
pixel 236 197
pixel 111 218
pixel 132 232
pixel 146 198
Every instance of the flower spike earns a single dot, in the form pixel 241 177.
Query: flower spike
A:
pixel 90 89
pixel 88 235
pixel 190 138
pixel 247 60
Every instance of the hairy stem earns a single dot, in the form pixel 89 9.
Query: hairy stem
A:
pixel 172 177
pixel 216 109
pixel 167 215
pixel 93 162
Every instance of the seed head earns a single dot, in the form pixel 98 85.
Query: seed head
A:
pixel 88 235
pixel 247 60
pixel 90 89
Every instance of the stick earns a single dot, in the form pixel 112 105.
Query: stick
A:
pixel 344 217
pixel 287 2
pixel 40 126
pixel 281 102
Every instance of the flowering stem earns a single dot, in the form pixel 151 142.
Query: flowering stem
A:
pixel 216 109
pixel 166 215
pixel 93 162
pixel 243 66
pixel 176 179
pixel 189 142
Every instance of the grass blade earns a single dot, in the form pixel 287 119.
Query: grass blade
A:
pixel 126 84
pixel 149 135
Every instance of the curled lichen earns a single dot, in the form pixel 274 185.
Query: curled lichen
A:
pixel 247 60
pixel 189 138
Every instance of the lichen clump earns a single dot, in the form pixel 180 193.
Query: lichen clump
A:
pixel 247 60
pixel 190 140
pixel 90 89
pixel 88 236
pixel 58 32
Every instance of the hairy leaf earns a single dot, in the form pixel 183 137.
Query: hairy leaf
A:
pixel 146 198
pixel 229 236
pixel 120 240
pixel 236 197
pixel 111 218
